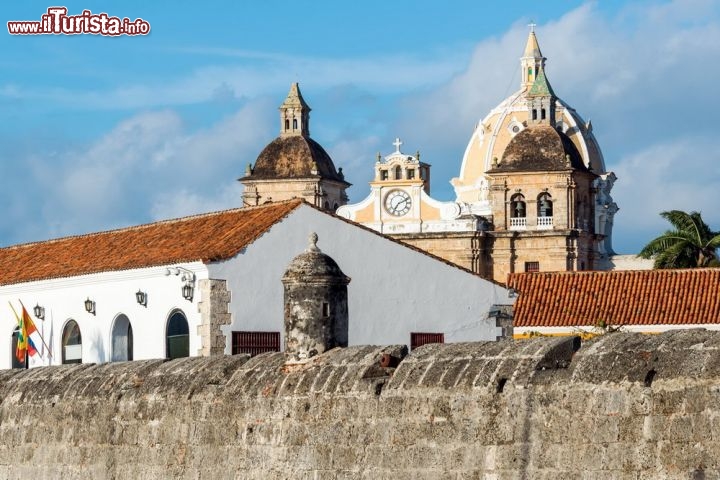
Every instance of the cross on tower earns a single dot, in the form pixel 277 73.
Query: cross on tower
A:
pixel 532 26
pixel 397 144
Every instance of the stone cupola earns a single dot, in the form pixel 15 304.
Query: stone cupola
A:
pixel 316 305
pixel 294 165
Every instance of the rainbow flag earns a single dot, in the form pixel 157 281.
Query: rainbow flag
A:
pixel 24 342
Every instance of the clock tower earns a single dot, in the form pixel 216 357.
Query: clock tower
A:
pixel 397 194
pixel 400 205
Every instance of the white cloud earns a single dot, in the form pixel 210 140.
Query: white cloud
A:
pixel 644 77
pixel 393 73
pixel 675 175
pixel 148 167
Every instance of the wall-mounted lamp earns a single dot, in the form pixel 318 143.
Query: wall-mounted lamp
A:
pixel 188 279
pixel 90 306
pixel 187 291
pixel 141 298
pixel 39 312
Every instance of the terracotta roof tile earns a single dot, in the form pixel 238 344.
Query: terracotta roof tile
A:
pixel 207 237
pixel 645 297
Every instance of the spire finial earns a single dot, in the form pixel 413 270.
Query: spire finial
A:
pixel 532 26
pixel 312 243
pixel 397 144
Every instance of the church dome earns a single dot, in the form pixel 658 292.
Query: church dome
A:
pixel 294 156
pixel 540 148
pixel 494 132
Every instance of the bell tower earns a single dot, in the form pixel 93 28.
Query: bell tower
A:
pixel 294 114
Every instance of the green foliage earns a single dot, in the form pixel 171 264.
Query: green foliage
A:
pixel 689 244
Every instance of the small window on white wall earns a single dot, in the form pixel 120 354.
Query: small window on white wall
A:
pixel 178 336
pixel 71 343
pixel 122 340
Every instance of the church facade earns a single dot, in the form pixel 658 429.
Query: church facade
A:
pixel 533 193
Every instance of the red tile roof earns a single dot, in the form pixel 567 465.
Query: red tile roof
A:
pixel 208 237
pixel 647 297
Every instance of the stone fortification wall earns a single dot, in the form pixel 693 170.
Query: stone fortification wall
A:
pixel 622 406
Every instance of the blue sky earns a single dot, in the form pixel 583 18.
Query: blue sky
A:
pixel 101 132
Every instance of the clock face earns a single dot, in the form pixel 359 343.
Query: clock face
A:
pixel 398 203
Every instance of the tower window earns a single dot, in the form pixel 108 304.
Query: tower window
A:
pixel 325 309
pixel 294 123
pixel 545 206
pixel 542 114
pixel 411 173
pixel 517 206
pixel 398 172
pixel 532 266
pixel 534 114
pixel 383 174
pixel 287 124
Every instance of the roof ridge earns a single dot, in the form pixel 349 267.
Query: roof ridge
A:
pixel 148 225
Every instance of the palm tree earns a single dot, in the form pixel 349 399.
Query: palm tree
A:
pixel 690 244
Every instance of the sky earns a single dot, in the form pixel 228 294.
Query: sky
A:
pixel 100 132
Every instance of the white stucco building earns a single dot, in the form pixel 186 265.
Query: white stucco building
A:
pixel 212 285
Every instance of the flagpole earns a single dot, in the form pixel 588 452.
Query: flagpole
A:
pixel 41 337
pixel 16 315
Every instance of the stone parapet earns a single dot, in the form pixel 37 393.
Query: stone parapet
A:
pixel 621 406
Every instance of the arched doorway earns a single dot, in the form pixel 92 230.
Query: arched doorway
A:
pixel 13 348
pixel 122 340
pixel 71 343
pixel 177 336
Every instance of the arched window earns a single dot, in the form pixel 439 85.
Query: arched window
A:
pixel 545 206
pixel 542 114
pixel 13 348
pixel 294 123
pixel 177 337
pixel 122 340
pixel 534 114
pixel 517 206
pixel 327 205
pixel 398 172
pixel 71 343
pixel 335 206
pixel 287 124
